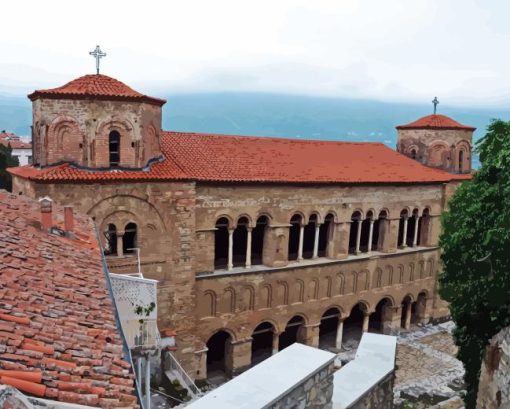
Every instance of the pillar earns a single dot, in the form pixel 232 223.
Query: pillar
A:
pixel 370 235
pixel 276 342
pixel 404 240
pixel 316 241
pixel 407 323
pixel 341 246
pixel 120 249
pixel 248 248
pixel 339 334
pixel 300 248
pixel 366 318
pixel 415 237
pixel 230 264
pixel 310 335
pixel 241 355
pixel 391 320
pixel 358 237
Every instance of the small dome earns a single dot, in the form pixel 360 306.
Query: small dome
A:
pixel 436 122
pixel 96 86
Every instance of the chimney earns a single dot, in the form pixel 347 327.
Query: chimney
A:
pixel 68 220
pixel 46 216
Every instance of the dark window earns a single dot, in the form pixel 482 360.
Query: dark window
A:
pixel 461 161
pixel 221 243
pixel 294 232
pixel 413 153
pixel 114 144
pixel 111 240
pixel 129 239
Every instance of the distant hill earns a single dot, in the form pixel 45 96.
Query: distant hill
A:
pixel 281 115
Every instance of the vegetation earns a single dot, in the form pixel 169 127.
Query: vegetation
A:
pixel 476 254
pixel 6 161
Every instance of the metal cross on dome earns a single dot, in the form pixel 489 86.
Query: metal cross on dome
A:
pixel 435 101
pixel 98 54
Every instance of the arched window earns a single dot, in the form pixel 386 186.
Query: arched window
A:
pixel 240 241
pixel 423 228
pixel 353 235
pixel 257 243
pixel 380 231
pixel 114 148
pixel 111 240
pixel 221 243
pixel 129 239
pixel 402 227
pixel 461 161
pixel 294 232
pixel 365 232
pixel 309 236
pixel 325 232
pixel 413 154
pixel 411 227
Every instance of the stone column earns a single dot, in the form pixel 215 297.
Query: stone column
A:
pixel 201 356
pixel 248 248
pixel 366 319
pixel 300 248
pixel 241 355
pixel 120 250
pixel 404 239
pixel 342 240
pixel 316 241
pixel 276 343
pixel 358 237
pixel 370 235
pixel 310 335
pixel 230 264
pixel 407 323
pixel 339 334
pixel 415 237
pixel 391 318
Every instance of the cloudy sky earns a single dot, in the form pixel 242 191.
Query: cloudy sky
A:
pixel 383 49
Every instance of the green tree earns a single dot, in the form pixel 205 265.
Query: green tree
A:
pixel 475 246
pixel 6 161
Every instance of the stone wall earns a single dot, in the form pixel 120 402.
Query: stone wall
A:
pixel 314 393
pixel 379 396
pixel 494 386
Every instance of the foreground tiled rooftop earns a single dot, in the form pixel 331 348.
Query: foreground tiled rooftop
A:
pixel 232 158
pixel 58 334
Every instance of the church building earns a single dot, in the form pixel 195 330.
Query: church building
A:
pixel 257 242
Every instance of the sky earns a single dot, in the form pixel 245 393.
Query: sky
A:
pixel 391 50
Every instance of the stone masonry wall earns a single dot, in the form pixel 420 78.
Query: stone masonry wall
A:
pixel 378 397
pixel 314 393
pixel 494 386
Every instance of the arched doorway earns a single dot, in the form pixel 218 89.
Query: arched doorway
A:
pixel 219 356
pixel 328 329
pixel 353 324
pixel 292 333
pixel 262 342
pixel 257 243
pixel 381 317
pixel 221 243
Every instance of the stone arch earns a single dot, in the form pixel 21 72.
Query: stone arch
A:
pixel 333 213
pixel 66 141
pixel 219 352
pixel 315 214
pixel 409 296
pixel 462 156
pixel 247 298
pixel 127 147
pixel 355 321
pixel 381 320
pixel 296 221
pixel 294 331
pixel 282 293
pixel 329 328
pixel 362 281
pixel 401 274
pixel 249 220
pixel 313 289
pixel 341 283
pixel 329 285
pixel 439 154
pixel 266 296
pixel 229 300
pixel 299 286
pixel 209 298
pixel 262 344
pixel 411 272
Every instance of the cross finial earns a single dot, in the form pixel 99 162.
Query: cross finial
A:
pixel 98 54
pixel 435 101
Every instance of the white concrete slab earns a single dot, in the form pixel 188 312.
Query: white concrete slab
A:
pixel 266 382
pixel 375 358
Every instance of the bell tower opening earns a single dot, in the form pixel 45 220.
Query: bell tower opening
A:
pixel 114 148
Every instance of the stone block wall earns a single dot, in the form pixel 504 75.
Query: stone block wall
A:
pixel 494 386
pixel 314 393
pixel 378 397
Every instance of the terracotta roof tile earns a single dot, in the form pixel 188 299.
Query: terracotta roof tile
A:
pixel 95 86
pixel 229 158
pixel 436 121
pixel 58 333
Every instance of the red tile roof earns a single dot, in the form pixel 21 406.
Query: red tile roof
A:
pixel 225 158
pixel 8 138
pixel 95 86
pixel 436 121
pixel 58 334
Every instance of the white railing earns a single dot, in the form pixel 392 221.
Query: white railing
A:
pixel 174 369
pixel 142 335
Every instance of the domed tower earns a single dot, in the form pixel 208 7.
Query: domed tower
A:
pixel 437 141
pixel 97 122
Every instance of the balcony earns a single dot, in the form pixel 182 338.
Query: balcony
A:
pixel 136 300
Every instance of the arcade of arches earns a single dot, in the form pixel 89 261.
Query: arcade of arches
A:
pixel 333 328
